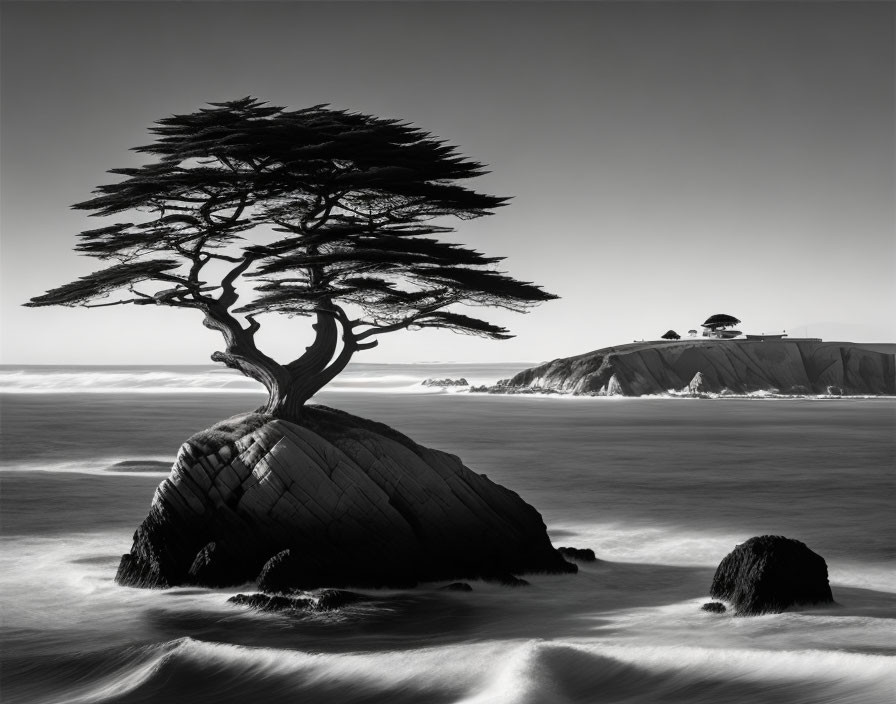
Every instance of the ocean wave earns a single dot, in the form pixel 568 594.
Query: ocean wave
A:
pixel 496 672
pixel 196 380
pixel 762 394
pixel 653 650
pixel 158 465
pixel 360 378
pixel 34 381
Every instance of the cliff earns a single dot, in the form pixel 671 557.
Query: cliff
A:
pixel 333 500
pixel 717 366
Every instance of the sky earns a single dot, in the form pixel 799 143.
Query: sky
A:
pixel 667 161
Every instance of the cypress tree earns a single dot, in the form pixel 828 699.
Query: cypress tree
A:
pixel 325 213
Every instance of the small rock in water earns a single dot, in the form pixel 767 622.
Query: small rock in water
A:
pixel 456 587
pixel 506 580
pixel 580 554
pixel 269 602
pixel 445 382
pixel 324 600
pixel 769 574
pixel 281 572
pixel 213 567
pixel 332 599
pixel 716 607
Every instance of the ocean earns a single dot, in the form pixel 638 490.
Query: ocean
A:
pixel 660 488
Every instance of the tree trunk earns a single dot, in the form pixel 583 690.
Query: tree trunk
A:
pixel 241 352
pixel 287 400
pixel 314 369
pixel 289 386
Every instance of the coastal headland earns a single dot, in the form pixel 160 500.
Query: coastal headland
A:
pixel 716 366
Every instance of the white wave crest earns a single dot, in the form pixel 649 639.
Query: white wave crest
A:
pixel 110 380
pixel 36 380
pixel 534 671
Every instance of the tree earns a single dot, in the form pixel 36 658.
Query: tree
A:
pixel 720 321
pixel 671 335
pixel 326 213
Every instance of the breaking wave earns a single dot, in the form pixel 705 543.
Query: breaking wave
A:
pixel 181 380
pixel 479 673
pixel 125 380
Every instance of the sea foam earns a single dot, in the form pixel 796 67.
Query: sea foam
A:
pixel 514 672
pixel 198 380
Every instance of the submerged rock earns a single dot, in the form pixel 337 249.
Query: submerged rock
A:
pixel 324 600
pixel 579 554
pixel 272 602
pixel 769 574
pixel 333 599
pixel 334 500
pixel 456 587
pixel 715 607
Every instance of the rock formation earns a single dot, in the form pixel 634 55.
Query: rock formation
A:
pixel 323 600
pixel 716 366
pixel 578 554
pixel 334 500
pixel 456 587
pixel 769 574
pixel 445 382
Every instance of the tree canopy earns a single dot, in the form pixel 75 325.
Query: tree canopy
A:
pixel 326 213
pixel 720 320
pixel 671 335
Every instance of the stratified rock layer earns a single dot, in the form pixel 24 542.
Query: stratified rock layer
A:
pixel 769 574
pixel 717 366
pixel 333 500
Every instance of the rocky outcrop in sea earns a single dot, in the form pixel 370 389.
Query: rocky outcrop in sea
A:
pixel 332 500
pixel 445 382
pixel 770 574
pixel 698 367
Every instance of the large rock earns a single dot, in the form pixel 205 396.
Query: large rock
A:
pixel 713 366
pixel 769 574
pixel 333 500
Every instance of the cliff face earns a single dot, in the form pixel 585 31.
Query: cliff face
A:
pixel 738 366
pixel 336 500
